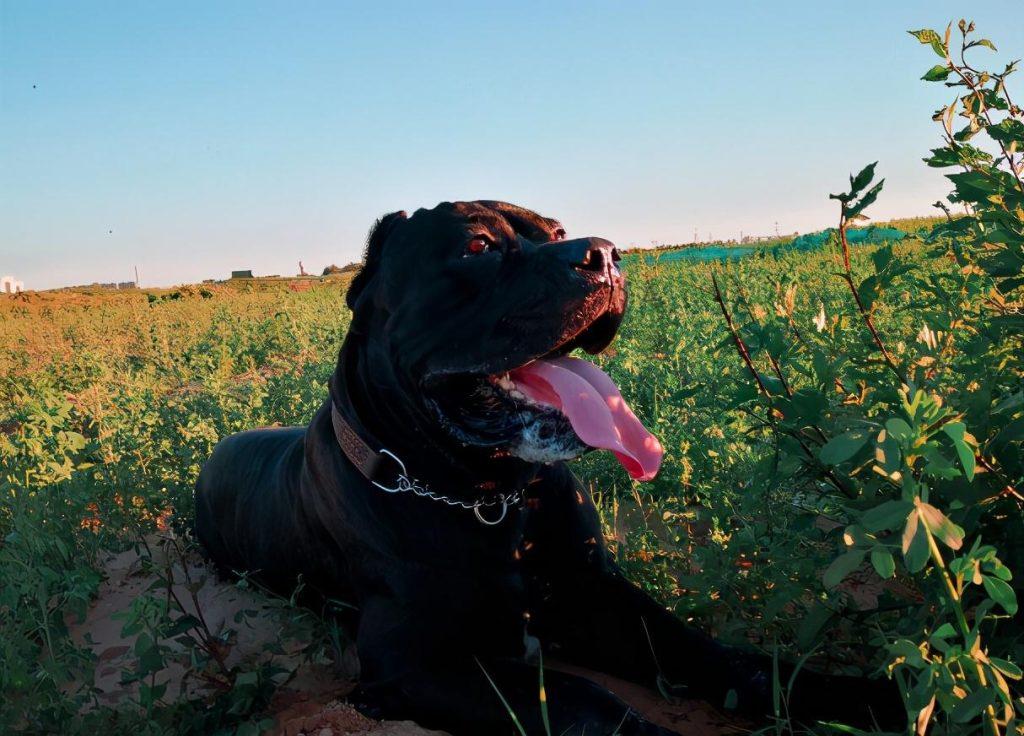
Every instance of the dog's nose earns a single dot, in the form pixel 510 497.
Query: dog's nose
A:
pixel 589 254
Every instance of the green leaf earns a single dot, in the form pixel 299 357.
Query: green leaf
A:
pixel 943 157
pixel 1001 593
pixel 882 257
pixel 150 661
pixel 866 200
pixel 143 644
pixel 983 42
pixel 1007 668
pixel 928 36
pixel 971 707
pixel 812 624
pixel 974 186
pixel 863 178
pixel 915 544
pixel 247 679
pixel 886 516
pixel 937 73
pixel 1007 131
pixel 883 562
pixel 956 431
pixel 842 566
pixel 843 447
pixel 887 454
pixel 899 429
pixel 181 625
pixel 994 100
pixel 909 651
pixel 869 290
pixel 966 133
pixel 731 700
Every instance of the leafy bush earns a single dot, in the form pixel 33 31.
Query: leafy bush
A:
pixel 912 442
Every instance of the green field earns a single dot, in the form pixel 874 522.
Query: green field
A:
pixel 843 476
pixel 112 403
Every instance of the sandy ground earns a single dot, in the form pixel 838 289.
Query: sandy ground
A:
pixel 311 700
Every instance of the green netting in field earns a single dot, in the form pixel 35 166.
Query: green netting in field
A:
pixel 871 234
pixel 811 241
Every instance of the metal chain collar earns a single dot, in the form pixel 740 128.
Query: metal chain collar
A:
pixel 405 484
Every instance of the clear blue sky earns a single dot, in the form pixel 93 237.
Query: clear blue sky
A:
pixel 209 136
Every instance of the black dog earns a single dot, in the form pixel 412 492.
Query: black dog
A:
pixel 429 491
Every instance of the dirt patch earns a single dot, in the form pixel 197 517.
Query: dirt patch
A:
pixel 310 699
pixel 312 718
pixel 690 717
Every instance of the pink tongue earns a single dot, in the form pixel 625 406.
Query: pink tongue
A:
pixel 595 408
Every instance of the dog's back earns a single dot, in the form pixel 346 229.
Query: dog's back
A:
pixel 244 488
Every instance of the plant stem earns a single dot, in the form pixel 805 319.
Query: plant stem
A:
pixel 865 315
pixel 958 609
pixel 740 346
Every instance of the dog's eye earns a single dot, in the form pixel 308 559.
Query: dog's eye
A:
pixel 479 244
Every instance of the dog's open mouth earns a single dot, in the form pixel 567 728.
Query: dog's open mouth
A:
pixel 592 403
pixel 552 407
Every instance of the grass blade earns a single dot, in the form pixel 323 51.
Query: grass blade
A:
pixel 511 713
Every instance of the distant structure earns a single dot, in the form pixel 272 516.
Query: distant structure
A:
pixel 247 274
pixel 10 285
pixel 746 239
pixel 112 285
pixel 104 285
pixel 348 268
pixel 302 270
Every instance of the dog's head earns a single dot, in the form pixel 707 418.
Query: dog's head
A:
pixel 470 310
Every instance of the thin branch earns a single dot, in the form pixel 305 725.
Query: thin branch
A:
pixel 864 313
pixel 740 346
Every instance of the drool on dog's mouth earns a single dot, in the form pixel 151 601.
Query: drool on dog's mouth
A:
pixel 551 407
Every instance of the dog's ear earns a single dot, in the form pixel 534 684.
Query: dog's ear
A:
pixel 371 257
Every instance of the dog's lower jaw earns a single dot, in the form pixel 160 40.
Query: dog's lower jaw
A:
pixel 547 438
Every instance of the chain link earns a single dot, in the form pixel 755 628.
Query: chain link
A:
pixel 409 485
pixel 405 484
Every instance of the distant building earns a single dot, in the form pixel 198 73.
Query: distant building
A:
pixel 127 285
pixel 10 285
pixel 242 274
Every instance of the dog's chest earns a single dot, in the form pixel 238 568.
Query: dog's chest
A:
pixel 477 607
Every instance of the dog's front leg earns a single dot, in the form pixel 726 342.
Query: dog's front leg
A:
pixel 406 673
pixel 585 611
pixel 600 620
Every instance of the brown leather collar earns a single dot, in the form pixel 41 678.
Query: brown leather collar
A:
pixel 367 461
